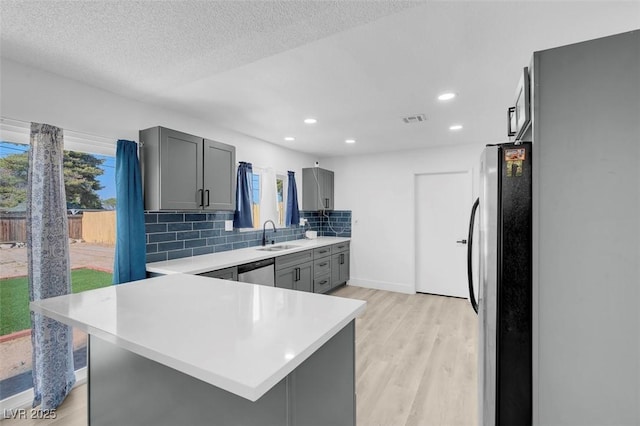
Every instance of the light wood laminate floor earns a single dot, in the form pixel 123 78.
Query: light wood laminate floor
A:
pixel 415 363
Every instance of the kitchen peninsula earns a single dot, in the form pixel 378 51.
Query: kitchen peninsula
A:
pixel 187 349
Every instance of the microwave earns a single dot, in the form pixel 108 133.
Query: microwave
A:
pixel 519 116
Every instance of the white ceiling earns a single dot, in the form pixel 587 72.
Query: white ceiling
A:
pixel 261 67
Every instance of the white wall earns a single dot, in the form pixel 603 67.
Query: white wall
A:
pixel 29 94
pixel 379 190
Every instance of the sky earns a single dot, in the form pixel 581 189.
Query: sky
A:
pixel 107 179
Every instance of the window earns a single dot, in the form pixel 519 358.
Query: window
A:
pixel 255 186
pixel 269 197
pixel 281 184
pixel 89 173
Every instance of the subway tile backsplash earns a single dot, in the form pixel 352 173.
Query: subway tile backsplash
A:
pixel 329 224
pixel 173 235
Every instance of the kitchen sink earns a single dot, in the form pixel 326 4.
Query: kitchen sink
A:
pixel 277 248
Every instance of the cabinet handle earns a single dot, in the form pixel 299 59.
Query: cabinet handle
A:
pixel 342 258
pixel 322 251
pixel 323 264
pixel 297 274
pixel 207 191
pixel 326 203
pixel 323 282
pixel 511 112
pixel 201 196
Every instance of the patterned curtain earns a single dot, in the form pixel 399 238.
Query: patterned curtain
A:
pixel 130 259
pixel 243 217
pixel 48 263
pixel 293 212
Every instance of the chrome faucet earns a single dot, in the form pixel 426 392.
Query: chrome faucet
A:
pixel 264 231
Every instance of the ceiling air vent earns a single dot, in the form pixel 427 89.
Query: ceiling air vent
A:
pixel 418 118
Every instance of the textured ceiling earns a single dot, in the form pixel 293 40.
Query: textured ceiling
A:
pixel 260 67
pixel 149 46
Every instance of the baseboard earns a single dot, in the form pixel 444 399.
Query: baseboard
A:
pixel 382 285
pixel 25 399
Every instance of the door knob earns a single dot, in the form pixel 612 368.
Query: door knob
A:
pixel 461 241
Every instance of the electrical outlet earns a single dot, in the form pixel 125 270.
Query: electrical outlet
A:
pixel 303 221
pixel 228 225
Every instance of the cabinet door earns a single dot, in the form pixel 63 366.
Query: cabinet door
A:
pixel 327 190
pixel 299 277
pixel 286 278
pixel 310 189
pixel 335 268
pixel 345 270
pixel 340 268
pixel 305 277
pixel 219 176
pixel 180 171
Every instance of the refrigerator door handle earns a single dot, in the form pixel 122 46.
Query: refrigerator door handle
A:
pixel 472 296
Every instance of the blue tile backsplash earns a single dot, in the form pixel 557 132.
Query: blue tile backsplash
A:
pixel 173 235
pixel 329 224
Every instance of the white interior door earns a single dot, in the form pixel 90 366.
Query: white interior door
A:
pixel 443 205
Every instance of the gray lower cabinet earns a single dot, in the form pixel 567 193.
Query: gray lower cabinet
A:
pixel 295 271
pixel 339 268
pixel 320 391
pixel 318 270
pixel 322 269
pixel 224 274
pixel 340 264
pixel 322 284
pixel 298 277
pixel 186 172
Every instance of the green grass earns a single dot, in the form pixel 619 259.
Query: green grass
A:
pixel 14 297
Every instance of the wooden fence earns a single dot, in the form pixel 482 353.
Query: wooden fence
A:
pixel 97 227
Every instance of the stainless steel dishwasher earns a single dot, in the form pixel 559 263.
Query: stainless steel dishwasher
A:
pixel 259 272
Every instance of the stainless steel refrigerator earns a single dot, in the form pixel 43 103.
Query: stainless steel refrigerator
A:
pixel 503 212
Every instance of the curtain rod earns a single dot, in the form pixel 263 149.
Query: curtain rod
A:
pixel 73 133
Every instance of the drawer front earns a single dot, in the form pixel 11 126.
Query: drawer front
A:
pixel 340 247
pixel 322 266
pixel 293 259
pixel 321 252
pixel 322 284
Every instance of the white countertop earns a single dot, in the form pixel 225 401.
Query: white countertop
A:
pixel 242 338
pixel 225 259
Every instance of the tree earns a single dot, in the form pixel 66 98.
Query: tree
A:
pixel 13 180
pixel 80 179
pixel 109 203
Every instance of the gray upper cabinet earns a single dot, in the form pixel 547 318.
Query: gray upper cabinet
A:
pixel 219 176
pixel 186 172
pixel 317 189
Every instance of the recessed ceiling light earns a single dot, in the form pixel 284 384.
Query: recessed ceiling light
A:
pixel 350 141
pixel 455 127
pixel 310 121
pixel 289 138
pixel 446 96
